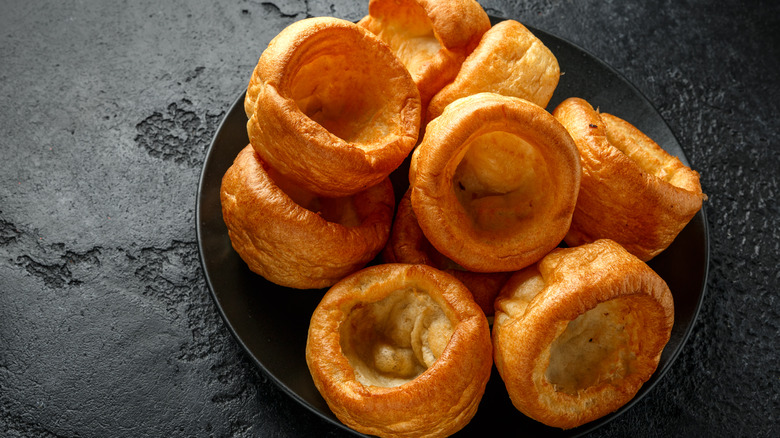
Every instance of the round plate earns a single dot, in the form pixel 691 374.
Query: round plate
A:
pixel 271 322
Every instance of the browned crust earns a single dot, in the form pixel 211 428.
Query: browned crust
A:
pixel 619 199
pixel 408 244
pixel 508 60
pixel 440 401
pixel 304 150
pixel 457 25
pixel 574 281
pixel 290 245
pixel 441 216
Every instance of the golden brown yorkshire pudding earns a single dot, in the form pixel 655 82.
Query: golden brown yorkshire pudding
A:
pixel 632 191
pixel 431 38
pixel 576 336
pixel 331 107
pixel 494 182
pixel 408 244
pixel 295 238
pixel 400 350
pixel 509 60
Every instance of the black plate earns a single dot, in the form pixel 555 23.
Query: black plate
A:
pixel 271 322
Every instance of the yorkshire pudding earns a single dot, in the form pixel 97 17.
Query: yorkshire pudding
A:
pixel 331 107
pixel 494 182
pixel 431 38
pixel 295 238
pixel 576 335
pixel 400 350
pixel 632 191
pixel 408 244
pixel 509 60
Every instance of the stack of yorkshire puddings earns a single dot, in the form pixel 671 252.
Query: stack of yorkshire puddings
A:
pixel 496 183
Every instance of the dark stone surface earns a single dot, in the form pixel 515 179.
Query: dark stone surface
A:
pixel 106 324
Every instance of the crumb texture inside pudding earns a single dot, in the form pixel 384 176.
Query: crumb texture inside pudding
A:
pixel 394 340
pixel 334 90
pixel 409 33
pixel 597 347
pixel 501 181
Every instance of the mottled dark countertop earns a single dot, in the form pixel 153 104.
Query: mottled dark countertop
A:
pixel 106 323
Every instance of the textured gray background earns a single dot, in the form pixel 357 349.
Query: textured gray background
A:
pixel 106 324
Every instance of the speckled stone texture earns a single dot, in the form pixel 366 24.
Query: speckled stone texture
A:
pixel 106 323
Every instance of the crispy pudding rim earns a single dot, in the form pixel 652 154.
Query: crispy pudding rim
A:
pixel 271 326
pixel 395 300
pixel 463 208
pixel 271 219
pixel 577 334
pixel 304 123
